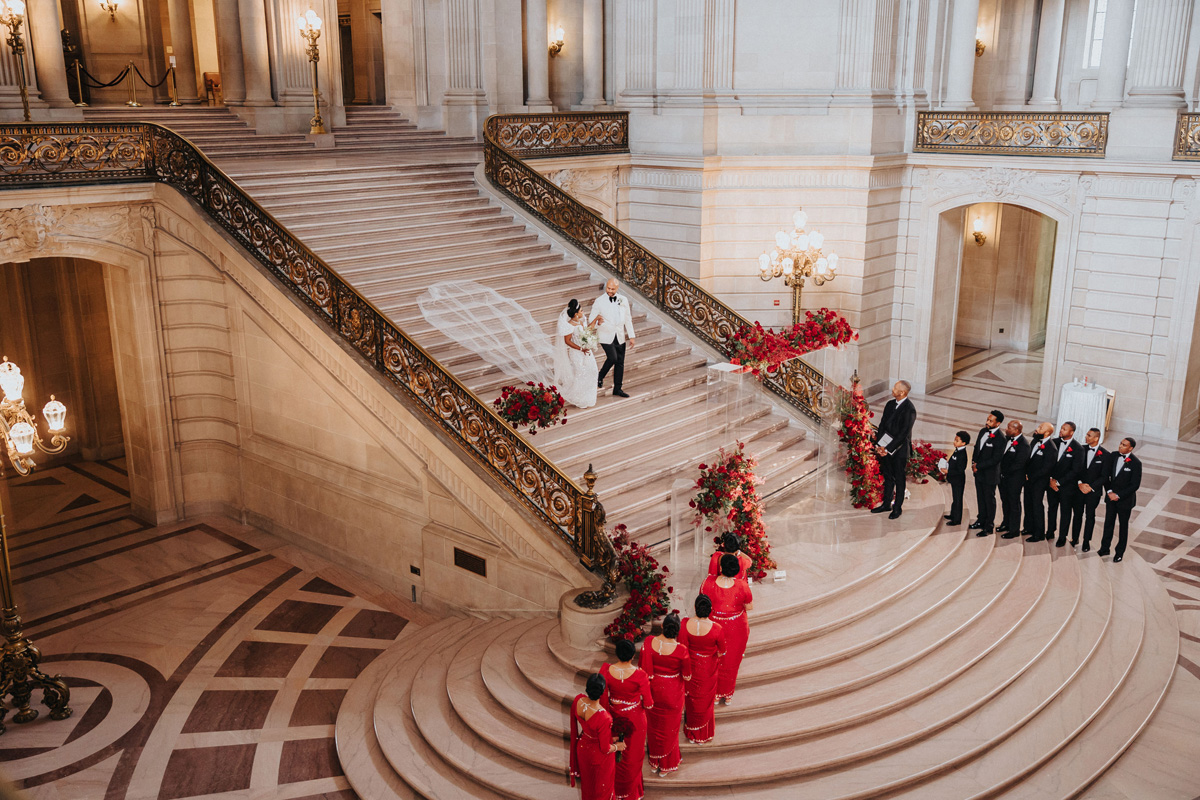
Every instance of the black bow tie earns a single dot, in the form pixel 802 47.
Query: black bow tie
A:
pixel 612 298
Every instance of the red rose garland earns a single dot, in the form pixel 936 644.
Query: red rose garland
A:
pixel 647 585
pixel 539 406
pixel 866 482
pixel 728 500
pixel 758 348
pixel 923 463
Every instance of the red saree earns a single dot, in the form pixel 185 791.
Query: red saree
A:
pixel 729 610
pixel 701 692
pixel 628 700
pixel 667 674
pixel 591 762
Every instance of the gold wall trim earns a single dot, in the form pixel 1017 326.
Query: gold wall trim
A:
pixel 1187 138
pixel 36 156
pixel 511 138
pixel 1015 134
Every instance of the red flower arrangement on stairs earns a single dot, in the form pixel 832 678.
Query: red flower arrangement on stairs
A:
pixel 761 349
pixel 729 502
pixel 866 482
pixel 538 406
pixel 649 595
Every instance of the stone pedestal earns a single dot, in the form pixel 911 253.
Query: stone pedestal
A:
pixel 583 628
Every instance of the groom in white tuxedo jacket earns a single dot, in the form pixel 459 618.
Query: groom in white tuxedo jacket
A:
pixel 614 332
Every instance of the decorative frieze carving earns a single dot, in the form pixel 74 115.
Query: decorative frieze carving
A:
pixel 30 231
pixel 1059 134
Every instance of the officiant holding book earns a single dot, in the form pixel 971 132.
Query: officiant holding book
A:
pixel 893 446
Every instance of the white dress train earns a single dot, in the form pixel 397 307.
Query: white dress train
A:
pixel 575 371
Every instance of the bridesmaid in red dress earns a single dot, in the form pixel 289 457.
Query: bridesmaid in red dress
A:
pixel 593 751
pixel 627 698
pixel 731 599
pixel 668 664
pixel 705 641
pixel 729 544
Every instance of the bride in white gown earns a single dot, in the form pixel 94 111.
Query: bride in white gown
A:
pixel 505 335
pixel 575 369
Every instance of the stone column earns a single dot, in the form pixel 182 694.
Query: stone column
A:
pixel 537 51
pixel 180 12
pixel 1114 55
pixel 1049 49
pixel 593 54
pixel 256 65
pixel 961 57
pixel 1160 46
pixel 399 56
pixel 229 51
pixel 43 38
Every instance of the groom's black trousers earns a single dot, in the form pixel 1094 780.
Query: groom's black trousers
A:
pixel 614 356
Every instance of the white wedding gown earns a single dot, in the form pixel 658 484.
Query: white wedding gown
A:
pixel 575 374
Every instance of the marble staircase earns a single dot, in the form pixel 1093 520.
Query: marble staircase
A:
pixel 927 663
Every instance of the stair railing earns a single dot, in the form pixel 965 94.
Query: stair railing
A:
pixel 510 139
pixel 42 156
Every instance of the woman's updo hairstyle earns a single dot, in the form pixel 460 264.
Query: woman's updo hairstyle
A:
pixel 730 566
pixel 703 606
pixel 572 308
pixel 626 650
pixel 595 686
pixel 730 542
pixel 671 625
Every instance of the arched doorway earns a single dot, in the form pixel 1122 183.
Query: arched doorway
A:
pixel 992 283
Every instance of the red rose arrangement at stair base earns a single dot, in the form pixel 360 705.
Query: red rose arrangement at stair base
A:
pixel 538 406
pixel 728 502
pixel 866 482
pixel 758 348
pixel 647 585
pixel 923 463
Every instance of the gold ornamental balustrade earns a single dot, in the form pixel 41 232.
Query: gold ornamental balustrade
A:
pixel 511 139
pixel 1075 135
pixel 37 156
pixel 1187 138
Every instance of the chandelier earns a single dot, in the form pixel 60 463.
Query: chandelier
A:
pixel 797 255
pixel 19 658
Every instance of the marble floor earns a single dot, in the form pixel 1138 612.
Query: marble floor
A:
pixel 1164 530
pixel 205 659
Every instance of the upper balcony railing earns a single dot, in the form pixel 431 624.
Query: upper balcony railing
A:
pixel 509 139
pixel 1187 138
pixel 40 156
pixel 1012 133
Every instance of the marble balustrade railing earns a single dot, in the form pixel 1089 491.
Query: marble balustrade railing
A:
pixel 511 139
pixel 1075 135
pixel 34 156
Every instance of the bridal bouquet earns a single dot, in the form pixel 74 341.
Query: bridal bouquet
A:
pixel 538 406
pixel 757 348
pixel 589 339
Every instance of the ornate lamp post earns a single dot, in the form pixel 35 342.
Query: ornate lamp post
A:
pixel 310 30
pixel 12 14
pixel 19 659
pixel 797 255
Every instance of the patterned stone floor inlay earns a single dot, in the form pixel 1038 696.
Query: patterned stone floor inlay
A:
pixel 205 658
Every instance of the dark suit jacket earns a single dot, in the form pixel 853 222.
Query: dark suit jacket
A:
pixel 1125 483
pixel 1012 462
pixel 988 449
pixel 1095 475
pixel 1072 460
pixel 956 466
pixel 1042 459
pixel 898 423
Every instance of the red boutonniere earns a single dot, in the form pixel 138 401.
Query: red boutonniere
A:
pixel 1126 459
pixel 1041 447
pixel 1068 449
pixel 990 435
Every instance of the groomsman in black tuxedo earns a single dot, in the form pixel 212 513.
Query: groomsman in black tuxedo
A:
pixel 956 476
pixel 1063 480
pixel 1122 482
pixel 1090 489
pixel 1012 475
pixel 893 446
pixel 989 447
pixel 1042 458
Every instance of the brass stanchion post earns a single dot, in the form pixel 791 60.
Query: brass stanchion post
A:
pixel 132 101
pixel 79 84
pixel 171 86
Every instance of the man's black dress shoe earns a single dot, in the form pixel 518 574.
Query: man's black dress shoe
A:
pixel 1074 543
pixel 1118 559
pixel 1036 538
pixel 1061 543
pixel 619 393
pixel 1103 551
pixel 599 384
pixel 1002 529
pixel 1011 535
pixel 946 517
pixel 953 524
pixel 895 513
pixel 975 525
pixel 1087 546
pixel 880 509
pixel 983 533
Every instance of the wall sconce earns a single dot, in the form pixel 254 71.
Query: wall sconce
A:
pixel 111 7
pixel 979 47
pixel 980 238
pixel 556 45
